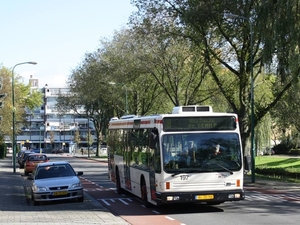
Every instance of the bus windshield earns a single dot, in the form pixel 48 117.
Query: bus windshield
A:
pixel 201 152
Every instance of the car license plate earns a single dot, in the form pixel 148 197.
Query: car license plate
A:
pixel 204 197
pixel 60 193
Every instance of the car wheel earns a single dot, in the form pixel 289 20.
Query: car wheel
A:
pixel 26 173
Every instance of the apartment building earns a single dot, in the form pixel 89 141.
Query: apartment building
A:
pixel 49 129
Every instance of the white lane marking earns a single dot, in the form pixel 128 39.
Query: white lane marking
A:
pixel 105 202
pixel 121 200
pixel 169 218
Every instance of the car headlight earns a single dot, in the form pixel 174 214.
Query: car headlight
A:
pixel 76 185
pixel 38 189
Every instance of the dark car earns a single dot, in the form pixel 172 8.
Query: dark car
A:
pixel 19 155
pixel 57 151
pixel 23 158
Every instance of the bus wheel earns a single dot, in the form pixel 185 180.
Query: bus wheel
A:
pixel 144 194
pixel 118 183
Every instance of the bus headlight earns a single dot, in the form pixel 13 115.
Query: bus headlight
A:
pixel 173 198
pixel 237 195
pixel 232 196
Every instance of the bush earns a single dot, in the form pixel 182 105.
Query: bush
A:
pixel 281 172
pixel 294 152
pixel 283 148
pixel 3 150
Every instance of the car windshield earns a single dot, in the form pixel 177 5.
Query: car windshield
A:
pixel 37 158
pixel 54 171
pixel 194 153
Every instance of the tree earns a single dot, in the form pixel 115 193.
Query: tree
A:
pixel 89 138
pixel 52 138
pixel 261 35
pixel 121 58
pixel 175 65
pixel 286 115
pixel 88 97
pixel 77 138
pixel 24 98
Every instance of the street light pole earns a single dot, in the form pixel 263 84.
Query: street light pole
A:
pixel 252 105
pixel 229 15
pixel 14 112
pixel 88 139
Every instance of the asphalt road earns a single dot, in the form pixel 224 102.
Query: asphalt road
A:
pixel 259 207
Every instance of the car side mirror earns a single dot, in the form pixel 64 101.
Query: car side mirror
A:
pixel 79 173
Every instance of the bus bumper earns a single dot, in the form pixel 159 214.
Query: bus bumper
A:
pixel 212 197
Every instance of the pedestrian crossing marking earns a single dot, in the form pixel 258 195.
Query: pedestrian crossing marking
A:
pixel 273 197
pixel 107 201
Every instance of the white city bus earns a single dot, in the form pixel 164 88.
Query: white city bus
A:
pixel 193 155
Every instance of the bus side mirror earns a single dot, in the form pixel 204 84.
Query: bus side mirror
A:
pixel 153 138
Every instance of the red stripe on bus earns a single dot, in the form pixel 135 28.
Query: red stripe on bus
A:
pixel 131 123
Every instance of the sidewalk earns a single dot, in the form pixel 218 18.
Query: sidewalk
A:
pixel 16 209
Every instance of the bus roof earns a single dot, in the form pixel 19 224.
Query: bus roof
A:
pixel 196 111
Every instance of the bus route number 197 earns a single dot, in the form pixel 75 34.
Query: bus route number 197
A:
pixel 184 177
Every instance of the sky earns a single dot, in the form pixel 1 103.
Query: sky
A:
pixel 56 34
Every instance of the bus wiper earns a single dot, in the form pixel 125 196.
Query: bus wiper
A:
pixel 223 167
pixel 174 174
pixel 228 170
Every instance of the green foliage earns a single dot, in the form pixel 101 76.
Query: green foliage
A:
pixel 242 37
pixel 3 150
pixel 281 167
pixel 24 98
pixel 283 148
pixel 294 152
pixel 90 139
pixel 77 138
pixel 283 173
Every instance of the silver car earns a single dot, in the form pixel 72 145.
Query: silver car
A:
pixel 53 181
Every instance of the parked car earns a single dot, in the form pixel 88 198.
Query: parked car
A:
pixel 102 150
pixel 9 150
pixel 19 155
pixel 23 158
pixel 57 151
pixel 52 181
pixel 32 160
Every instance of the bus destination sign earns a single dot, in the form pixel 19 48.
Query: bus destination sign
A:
pixel 203 123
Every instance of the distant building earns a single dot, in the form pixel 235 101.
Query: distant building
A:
pixel 49 129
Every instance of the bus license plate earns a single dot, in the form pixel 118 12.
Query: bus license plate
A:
pixel 60 193
pixel 204 197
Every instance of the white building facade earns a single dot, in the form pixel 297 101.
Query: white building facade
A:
pixel 49 129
